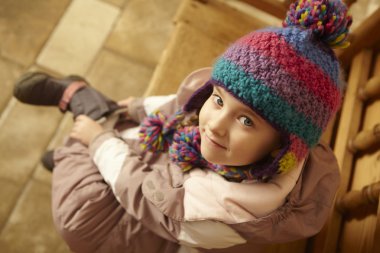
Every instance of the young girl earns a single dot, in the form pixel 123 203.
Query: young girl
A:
pixel 229 163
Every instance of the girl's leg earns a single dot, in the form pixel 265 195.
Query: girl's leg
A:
pixel 84 208
pixel 86 213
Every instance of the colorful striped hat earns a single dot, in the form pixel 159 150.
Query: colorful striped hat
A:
pixel 290 76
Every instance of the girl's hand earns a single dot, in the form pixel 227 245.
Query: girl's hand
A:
pixel 85 129
pixel 126 101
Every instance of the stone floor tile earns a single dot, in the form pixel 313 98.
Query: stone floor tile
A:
pixel 143 29
pixel 25 131
pixel 78 37
pixel 26 25
pixel 30 227
pixel 119 77
pixel 9 72
pixel 8 197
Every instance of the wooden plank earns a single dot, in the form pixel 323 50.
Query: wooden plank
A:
pixel 358 235
pixel 349 123
pixel 365 36
pixel 274 7
pixel 376 244
pixel 217 20
pixel 188 49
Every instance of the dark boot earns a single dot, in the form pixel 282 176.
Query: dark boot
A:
pixel 48 161
pixel 70 93
pixel 38 88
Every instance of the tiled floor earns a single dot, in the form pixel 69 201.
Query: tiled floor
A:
pixel 95 38
pixel 115 44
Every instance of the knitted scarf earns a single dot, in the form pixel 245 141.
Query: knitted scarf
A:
pixel 158 133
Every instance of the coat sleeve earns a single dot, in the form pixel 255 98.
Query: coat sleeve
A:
pixel 141 190
pixel 308 206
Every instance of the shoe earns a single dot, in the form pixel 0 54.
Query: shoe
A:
pixel 71 93
pixel 48 161
pixel 39 88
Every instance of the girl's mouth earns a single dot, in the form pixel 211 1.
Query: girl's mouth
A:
pixel 214 143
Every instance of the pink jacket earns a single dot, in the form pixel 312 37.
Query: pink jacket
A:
pixel 112 197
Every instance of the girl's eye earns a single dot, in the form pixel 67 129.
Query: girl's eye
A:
pixel 245 121
pixel 218 100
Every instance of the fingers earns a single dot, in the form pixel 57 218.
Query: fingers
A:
pixel 82 117
pixel 85 129
pixel 126 101
pixel 78 126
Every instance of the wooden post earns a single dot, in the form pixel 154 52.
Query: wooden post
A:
pixel 354 200
pixel 365 139
pixel 371 89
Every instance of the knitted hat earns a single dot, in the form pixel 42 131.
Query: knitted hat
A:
pixel 290 76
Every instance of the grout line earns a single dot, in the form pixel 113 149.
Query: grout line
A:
pixel 8 60
pixel 113 4
pixel 6 112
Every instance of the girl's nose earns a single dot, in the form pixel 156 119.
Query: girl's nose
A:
pixel 218 124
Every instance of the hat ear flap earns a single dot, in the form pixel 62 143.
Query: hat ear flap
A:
pixel 199 97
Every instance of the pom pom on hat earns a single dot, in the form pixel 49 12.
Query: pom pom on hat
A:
pixel 327 19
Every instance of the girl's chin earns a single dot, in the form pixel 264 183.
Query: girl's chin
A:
pixel 211 158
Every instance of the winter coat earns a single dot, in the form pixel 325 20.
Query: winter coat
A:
pixel 112 197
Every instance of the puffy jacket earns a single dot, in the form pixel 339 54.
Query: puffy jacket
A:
pixel 112 197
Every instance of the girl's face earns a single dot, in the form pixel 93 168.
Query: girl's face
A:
pixel 232 133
